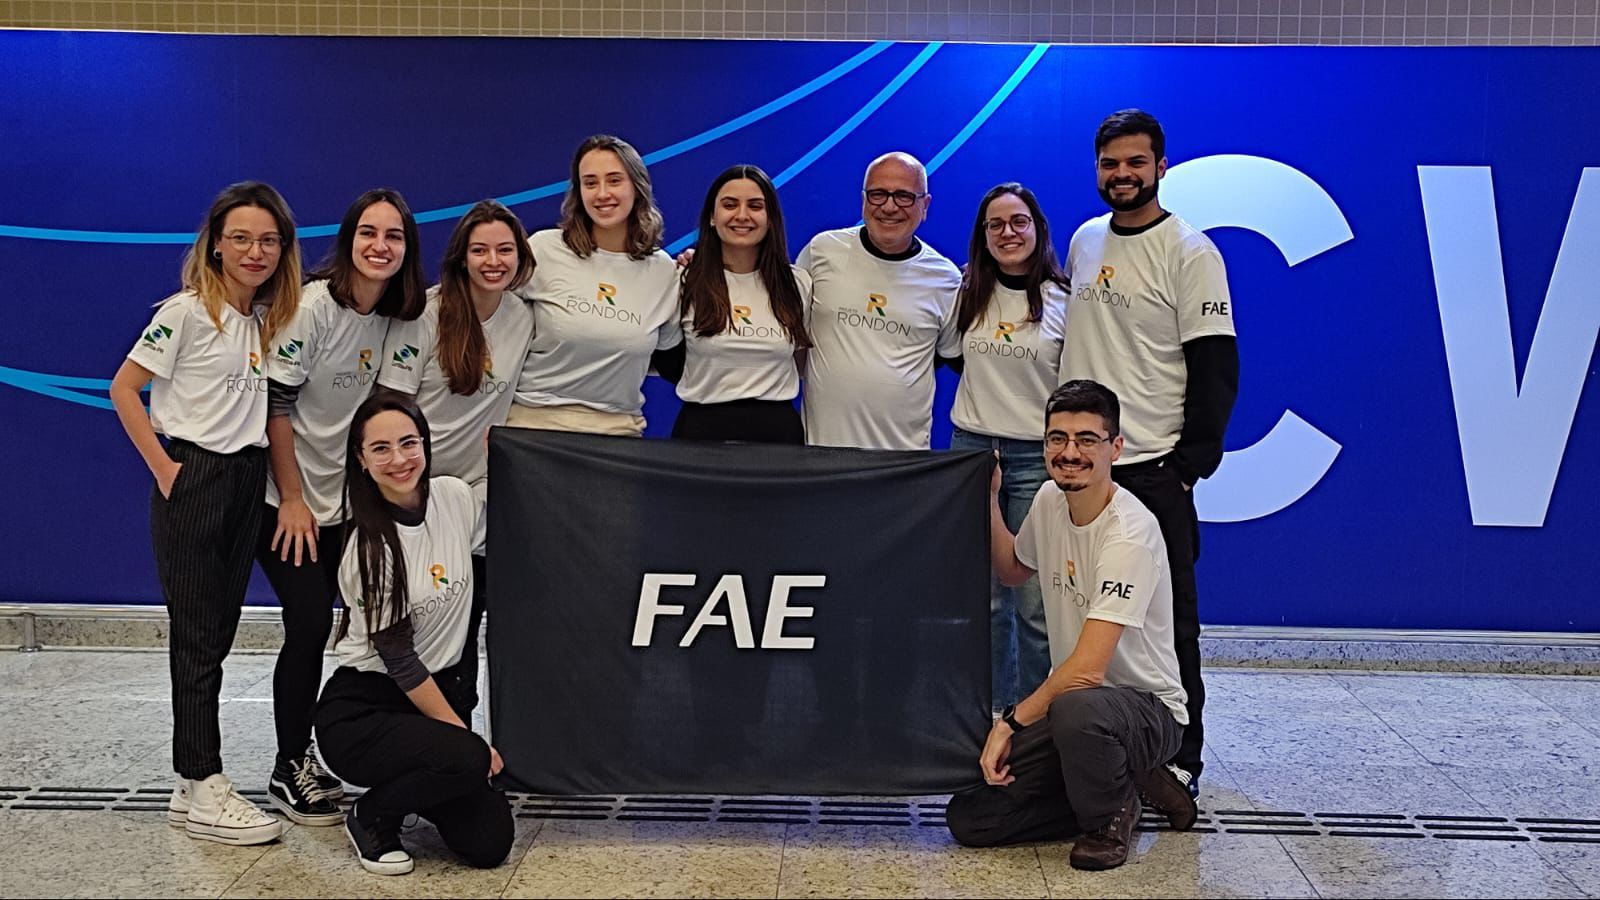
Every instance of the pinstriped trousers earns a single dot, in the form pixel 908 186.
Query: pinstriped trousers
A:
pixel 204 538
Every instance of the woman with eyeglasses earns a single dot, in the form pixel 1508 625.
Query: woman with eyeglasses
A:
pixel 320 367
pixel 201 355
pixel 461 358
pixel 743 315
pixel 605 298
pixel 1011 312
pixel 388 719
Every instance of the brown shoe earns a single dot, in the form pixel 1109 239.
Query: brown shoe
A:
pixel 1165 793
pixel 1108 847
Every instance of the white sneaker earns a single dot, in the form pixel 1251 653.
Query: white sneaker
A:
pixel 178 806
pixel 218 812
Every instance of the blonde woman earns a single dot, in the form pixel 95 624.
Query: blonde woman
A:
pixel 201 355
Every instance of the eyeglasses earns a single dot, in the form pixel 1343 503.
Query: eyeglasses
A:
pixel 1087 441
pixel 381 454
pixel 241 242
pixel 902 199
pixel 1019 223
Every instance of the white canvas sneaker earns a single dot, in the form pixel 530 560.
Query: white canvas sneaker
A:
pixel 178 806
pixel 218 812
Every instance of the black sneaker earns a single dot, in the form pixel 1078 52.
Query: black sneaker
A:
pixel 377 843
pixel 329 783
pixel 293 790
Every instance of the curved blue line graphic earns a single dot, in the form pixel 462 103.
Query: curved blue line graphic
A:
pixel 450 212
pixel 58 386
pixel 65 387
pixel 1000 96
pixel 838 134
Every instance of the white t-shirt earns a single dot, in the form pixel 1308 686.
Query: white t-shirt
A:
pixel 208 387
pixel 1137 299
pixel 330 352
pixel 597 321
pixel 1010 365
pixel 751 360
pixel 438 569
pixel 455 423
pixel 1113 569
pixel 876 325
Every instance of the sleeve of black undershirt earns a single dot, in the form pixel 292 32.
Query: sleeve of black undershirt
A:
pixel 281 397
pixel 1212 387
pixel 956 364
pixel 397 646
pixel 668 363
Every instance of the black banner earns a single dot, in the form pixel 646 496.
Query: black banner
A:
pixel 676 616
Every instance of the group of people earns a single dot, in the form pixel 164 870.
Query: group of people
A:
pixel 333 432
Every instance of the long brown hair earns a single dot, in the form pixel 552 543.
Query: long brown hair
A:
pixel 463 348
pixel 705 286
pixel 982 272
pixel 644 220
pixel 202 266
pixel 407 290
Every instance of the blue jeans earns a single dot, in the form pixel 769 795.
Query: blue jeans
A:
pixel 1019 644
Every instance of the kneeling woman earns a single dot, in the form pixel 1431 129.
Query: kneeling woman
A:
pixel 391 718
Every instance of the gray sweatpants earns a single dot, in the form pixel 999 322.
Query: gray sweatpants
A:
pixel 1073 770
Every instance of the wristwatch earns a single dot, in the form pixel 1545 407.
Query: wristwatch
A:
pixel 1009 716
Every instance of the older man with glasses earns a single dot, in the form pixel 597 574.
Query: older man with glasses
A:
pixel 883 309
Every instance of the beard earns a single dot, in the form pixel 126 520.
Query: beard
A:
pixel 1073 486
pixel 1145 194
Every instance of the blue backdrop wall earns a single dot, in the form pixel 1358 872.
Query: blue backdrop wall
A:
pixel 1412 239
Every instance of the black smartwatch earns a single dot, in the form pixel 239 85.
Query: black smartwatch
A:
pixel 1009 716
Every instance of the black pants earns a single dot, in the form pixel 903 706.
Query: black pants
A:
pixel 1073 769
pixel 756 421
pixel 373 736
pixel 465 671
pixel 306 592
pixel 1159 488
pixel 203 535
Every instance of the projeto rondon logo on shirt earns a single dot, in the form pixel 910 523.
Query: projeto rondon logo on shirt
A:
pixel 1069 588
pixel 491 384
pixel 604 305
pixel 1002 344
pixel 251 381
pixel 741 314
pixel 875 317
pixel 362 374
pixel 1101 290
pixel 445 591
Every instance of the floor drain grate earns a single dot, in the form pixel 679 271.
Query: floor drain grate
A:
pixel 885 812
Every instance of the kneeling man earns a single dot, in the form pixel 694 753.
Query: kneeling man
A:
pixel 1075 756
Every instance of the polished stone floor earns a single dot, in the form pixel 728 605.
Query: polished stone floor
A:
pixel 1334 784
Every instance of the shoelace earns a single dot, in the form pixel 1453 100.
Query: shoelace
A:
pixel 318 771
pixel 306 781
pixel 236 807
